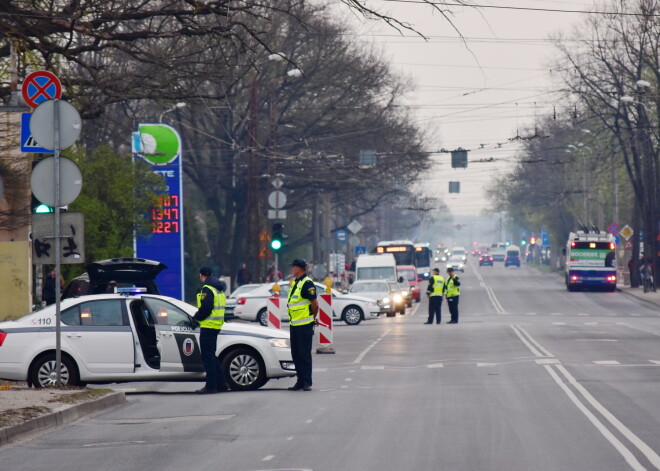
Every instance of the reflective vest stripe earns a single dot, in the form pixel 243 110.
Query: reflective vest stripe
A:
pixel 301 303
pixel 303 321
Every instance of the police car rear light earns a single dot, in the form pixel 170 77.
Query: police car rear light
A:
pixel 241 301
pixel 3 336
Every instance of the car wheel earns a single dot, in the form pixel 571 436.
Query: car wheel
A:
pixel 391 314
pixel 352 315
pixel 262 317
pixel 43 372
pixel 244 369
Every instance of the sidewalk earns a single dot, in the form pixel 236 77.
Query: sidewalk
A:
pixel 650 297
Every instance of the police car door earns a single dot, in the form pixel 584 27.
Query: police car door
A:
pixel 177 344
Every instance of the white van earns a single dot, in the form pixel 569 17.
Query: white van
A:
pixel 375 267
pixel 458 250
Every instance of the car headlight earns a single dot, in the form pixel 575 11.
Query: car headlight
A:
pixel 405 293
pixel 385 300
pixel 397 298
pixel 279 342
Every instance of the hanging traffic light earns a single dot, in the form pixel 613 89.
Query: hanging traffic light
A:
pixel 532 240
pixel 523 242
pixel 277 237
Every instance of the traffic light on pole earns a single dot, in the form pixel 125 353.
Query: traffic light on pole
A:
pixel 38 207
pixel 532 240
pixel 277 237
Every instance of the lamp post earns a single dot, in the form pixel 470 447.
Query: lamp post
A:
pixel 177 106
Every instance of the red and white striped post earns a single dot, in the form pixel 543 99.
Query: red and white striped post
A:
pixel 324 323
pixel 274 306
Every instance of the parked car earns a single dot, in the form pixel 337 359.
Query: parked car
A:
pixel 127 272
pixel 486 260
pixel 135 337
pixel 352 309
pixel 386 294
pixel 456 262
pixel 409 273
pixel 233 297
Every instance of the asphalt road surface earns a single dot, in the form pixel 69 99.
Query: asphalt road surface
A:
pixel 532 378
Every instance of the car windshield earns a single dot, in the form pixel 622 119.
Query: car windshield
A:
pixel 369 287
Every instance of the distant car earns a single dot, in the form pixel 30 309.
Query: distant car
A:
pixel 410 274
pixel 352 309
pixel 135 337
pixel 399 296
pixel 456 262
pixel 485 260
pixel 499 255
pixel 512 256
pixel 386 294
pixel 458 250
pixel 127 272
pixel 231 299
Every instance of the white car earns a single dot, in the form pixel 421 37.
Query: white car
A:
pixel 231 299
pixel 456 262
pixel 348 308
pixel 135 337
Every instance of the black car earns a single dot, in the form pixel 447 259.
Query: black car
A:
pixel 125 272
pixel 486 260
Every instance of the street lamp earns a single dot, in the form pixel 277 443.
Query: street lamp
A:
pixel 177 106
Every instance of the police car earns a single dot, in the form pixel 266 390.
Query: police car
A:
pixel 135 337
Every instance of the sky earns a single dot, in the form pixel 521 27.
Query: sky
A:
pixel 478 94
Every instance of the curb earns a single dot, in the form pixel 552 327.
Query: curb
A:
pixel 627 292
pixel 62 417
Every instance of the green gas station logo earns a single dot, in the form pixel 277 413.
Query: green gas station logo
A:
pixel 158 143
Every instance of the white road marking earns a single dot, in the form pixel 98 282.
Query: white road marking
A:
pixel 636 315
pixel 435 365
pixel 131 442
pixel 268 458
pixel 361 356
pixel 556 314
pixel 655 362
pixel 536 348
pixel 583 314
pixel 559 323
pixel 486 365
pixel 547 361
pixel 319 370
pixel 289 438
pixel 372 367
pixel 596 340
pixel 591 323
pixel 309 421
pixel 606 362
pixel 530 314
pixel 348 379
pixel 620 447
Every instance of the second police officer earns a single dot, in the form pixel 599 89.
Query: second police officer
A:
pixel 303 308
pixel 435 291
pixel 452 292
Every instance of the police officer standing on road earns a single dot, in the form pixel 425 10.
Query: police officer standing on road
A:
pixel 452 292
pixel 434 292
pixel 211 316
pixel 303 309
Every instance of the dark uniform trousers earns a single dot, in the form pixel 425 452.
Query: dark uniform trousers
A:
pixel 302 337
pixel 208 342
pixel 435 308
pixel 452 303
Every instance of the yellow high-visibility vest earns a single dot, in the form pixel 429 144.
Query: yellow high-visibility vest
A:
pixel 217 317
pixel 299 307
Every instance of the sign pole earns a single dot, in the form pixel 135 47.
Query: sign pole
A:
pixel 58 243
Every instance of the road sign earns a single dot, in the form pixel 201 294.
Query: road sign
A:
pixel 277 183
pixel 354 226
pixel 28 143
pixel 72 229
pixel 613 228
pixel 277 214
pixel 41 86
pixel 341 235
pixel 277 199
pixel 626 231
pixel 628 245
pixel 42 124
pixel 42 181
pixel 545 239
pixel 617 239
pixel 359 250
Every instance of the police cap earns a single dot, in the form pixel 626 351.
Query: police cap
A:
pixel 299 263
pixel 205 271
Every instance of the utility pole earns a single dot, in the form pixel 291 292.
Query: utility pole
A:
pixel 252 220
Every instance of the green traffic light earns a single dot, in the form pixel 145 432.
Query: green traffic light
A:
pixel 276 244
pixel 42 208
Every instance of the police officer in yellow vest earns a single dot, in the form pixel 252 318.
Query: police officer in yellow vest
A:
pixel 435 291
pixel 211 316
pixel 303 308
pixel 452 292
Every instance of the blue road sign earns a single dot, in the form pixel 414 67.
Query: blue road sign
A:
pixel 341 235
pixel 545 239
pixel 617 239
pixel 359 250
pixel 28 144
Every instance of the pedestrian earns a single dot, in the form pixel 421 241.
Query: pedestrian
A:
pixel 452 293
pixel 435 291
pixel 303 309
pixel 211 316
pixel 112 287
pixel 243 277
pixel 48 289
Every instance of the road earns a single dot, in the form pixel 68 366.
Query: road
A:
pixel 532 378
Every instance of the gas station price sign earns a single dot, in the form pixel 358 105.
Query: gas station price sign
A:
pixel 165 216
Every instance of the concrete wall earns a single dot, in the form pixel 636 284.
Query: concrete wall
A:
pixel 15 249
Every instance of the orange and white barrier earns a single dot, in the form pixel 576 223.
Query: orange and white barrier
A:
pixel 275 307
pixel 325 320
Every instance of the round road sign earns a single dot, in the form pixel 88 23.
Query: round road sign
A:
pixel 42 181
pixel 40 86
pixel 42 124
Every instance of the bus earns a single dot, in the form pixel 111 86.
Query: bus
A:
pixel 403 250
pixel 590 260
pixel 423 260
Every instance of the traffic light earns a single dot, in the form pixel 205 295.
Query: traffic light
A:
pixel 38 207
pixel 532 240
pixel 277 237
pixel 523 242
